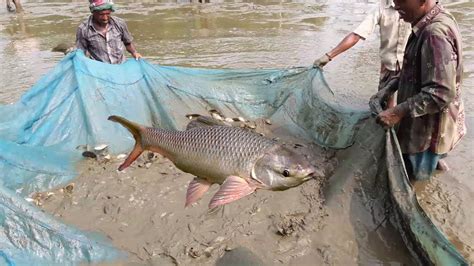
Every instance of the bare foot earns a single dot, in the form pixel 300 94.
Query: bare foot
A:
pixel 442 165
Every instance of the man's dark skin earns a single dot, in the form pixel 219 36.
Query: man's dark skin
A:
pixel 411 11
pixel 101 19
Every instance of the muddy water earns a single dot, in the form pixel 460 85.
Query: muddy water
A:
pixel 226 34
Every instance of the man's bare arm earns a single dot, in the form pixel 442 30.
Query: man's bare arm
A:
pixel 131 49
pixel 350 40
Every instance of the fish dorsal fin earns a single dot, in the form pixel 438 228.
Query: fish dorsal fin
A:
pixel 204 121
pixel 196 188
pixel 233 188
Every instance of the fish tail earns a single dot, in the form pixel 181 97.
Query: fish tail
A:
pixel 136 130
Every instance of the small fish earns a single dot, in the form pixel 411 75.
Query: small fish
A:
pixel 204 121
pixel 100 147
pixel 192 116
pixel 121 156
pixel 217 116
pixel 241 119
pixel 229 120
pixel 238 160
pixel 251 125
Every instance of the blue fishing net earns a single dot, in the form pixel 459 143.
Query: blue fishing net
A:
pixel 69 107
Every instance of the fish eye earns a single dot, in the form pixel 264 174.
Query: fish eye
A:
pixel 286 173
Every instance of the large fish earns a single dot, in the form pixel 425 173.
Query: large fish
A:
pixel 239 160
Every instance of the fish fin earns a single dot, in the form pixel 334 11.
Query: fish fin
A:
pixel 233 188
pixel 137 150
pixel 196 188
pixel 204 121
pixel 135 129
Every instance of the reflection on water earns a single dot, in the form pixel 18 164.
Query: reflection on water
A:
pixel 228 34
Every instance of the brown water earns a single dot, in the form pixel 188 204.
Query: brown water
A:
pixel 241 34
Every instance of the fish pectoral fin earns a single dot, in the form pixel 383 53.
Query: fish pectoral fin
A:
pixel 196 188
pixel 233 188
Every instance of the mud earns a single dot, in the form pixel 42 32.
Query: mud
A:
pixel 239 256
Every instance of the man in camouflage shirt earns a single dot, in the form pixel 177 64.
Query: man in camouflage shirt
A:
pixel 103 37
pixel 430 111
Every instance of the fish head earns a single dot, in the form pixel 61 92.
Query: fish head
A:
pixel 283 168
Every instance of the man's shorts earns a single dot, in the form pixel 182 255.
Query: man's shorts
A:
pixel 420 166
pixel 386 76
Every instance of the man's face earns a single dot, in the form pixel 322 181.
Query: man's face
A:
pixel 410 10
pixel 102 17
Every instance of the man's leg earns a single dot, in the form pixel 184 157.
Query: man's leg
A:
pixel 18 6
pixel 442 164
pixel 420 166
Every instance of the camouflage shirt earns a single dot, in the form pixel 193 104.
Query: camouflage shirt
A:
pixel 108 48
pixel 429 86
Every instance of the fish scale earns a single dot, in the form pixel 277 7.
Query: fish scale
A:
pixel 197 150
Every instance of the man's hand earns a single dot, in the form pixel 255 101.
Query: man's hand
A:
pixel 137 55
pixel 391 116
pixel 131 49
pixel 377 101
pixel 322 61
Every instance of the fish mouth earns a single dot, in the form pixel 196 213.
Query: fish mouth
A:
pixel 313 173
pixel 308 176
